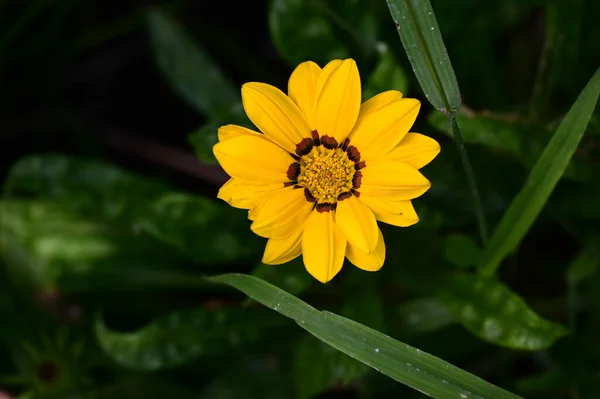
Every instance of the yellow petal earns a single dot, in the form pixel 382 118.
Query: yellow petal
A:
pixel 301 89
pixel 416 150
pixel 280 212
pixel 379 130
pixel 323 246
pixel 282 250
pixel 380 100
pixel 337 96
pixel 230 131
pixel 396 213
pixel 253 159
pixel 358 223
pixel 275 114
pixel 369 262
pixel 395 181
pixel 244 195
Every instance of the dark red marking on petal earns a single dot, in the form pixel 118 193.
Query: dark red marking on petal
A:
pixel 344 196
pixel 360 165
pixel 356 180
pixel 356 193
pixel 329 142
pixel 353 154
pixel 326 207
pixel 307 194
pixel 345 144
pixel 316 139
pixel 293 171
pixel 304 147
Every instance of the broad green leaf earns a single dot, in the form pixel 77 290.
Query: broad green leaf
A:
pixel 206 230
pixel 301 32
pixel 494 313
pixel 422 41
pixel 541 181
pixel 387 75
pixel 485 307
pixel 461 250
pixel 318 366
pixel 50 244
pixel 89 187
pixel 417 369
pixel 185 335
pixel 189 69
pixel 423 315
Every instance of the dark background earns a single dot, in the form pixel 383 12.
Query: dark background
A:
pixel 80 78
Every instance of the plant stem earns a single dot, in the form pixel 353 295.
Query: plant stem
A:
pixel 471 180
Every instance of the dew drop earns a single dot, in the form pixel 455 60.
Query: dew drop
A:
pixel 377 350
pixel 432 28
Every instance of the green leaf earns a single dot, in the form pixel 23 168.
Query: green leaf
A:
pixel 388 75
pixel 48 243
pixel 541 181
pixel 461 250
pixel 417 369
pixel 301 32
pixel 422 41
pixel 494 313
pixel 318 366
pixel 189 69
pixel 424 315
pixel 183 336
pixel 89 187
pixel 204 229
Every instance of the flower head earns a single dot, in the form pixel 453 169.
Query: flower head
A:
pixel 325 167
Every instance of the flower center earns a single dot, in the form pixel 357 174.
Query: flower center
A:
pixel 328 172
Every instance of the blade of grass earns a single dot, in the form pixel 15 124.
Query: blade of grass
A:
pixel 424 46
pixel 426 373
pixel 422 41
pixel 544 176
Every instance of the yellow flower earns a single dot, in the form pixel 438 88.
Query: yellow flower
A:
pixel 325 167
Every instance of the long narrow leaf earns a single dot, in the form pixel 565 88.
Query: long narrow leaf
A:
pixel 419 370
pixel 189 69
pixel 547 171
pixel 422 41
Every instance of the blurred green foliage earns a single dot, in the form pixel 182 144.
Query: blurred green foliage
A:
pixel 102 262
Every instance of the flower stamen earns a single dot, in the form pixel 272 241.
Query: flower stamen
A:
pixel 328 172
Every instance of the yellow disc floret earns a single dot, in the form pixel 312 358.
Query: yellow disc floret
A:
pixel 326 173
